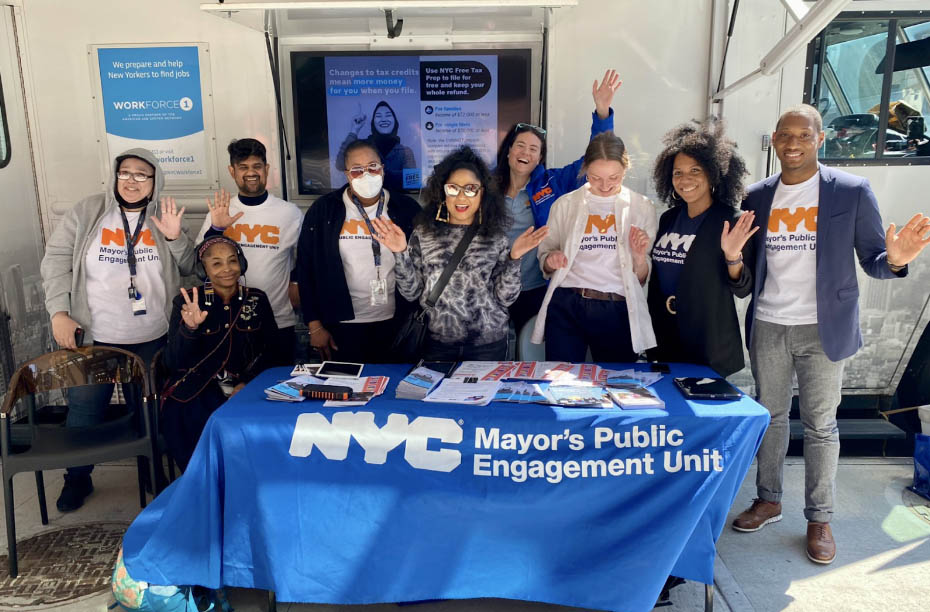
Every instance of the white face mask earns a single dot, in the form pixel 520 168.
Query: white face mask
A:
pixel 367 185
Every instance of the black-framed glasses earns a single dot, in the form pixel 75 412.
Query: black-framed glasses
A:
pixel 541 132
pixel 136 176
pixel 372 168
pixel 470 190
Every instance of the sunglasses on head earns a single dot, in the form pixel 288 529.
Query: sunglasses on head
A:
pixel 470 190
pixel 541 132
pixel 372 168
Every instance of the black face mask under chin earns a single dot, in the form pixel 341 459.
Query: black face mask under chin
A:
pixel 131 205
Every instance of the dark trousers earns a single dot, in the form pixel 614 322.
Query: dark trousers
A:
pixel 574 323
pixel 364 342
pixel 87 405
pixel 183 422
pixel 438 351
pixel 526 307
pixel 283 347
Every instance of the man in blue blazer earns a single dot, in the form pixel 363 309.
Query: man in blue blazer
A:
pixel 804 315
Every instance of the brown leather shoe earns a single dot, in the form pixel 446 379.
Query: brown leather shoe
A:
pixel 758 515
pixel 820 545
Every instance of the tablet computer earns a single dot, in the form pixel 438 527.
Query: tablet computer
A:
pixel 343 369
pixel 707 388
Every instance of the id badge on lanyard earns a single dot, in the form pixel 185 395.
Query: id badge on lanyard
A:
pixel 377 285
pixel 378 289
pixel 136 300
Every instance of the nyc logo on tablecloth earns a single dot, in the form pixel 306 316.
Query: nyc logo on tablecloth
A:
pixel 333 437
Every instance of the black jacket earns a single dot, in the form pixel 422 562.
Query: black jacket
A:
pixel 705 329
pixel 321 278
pixel 237 338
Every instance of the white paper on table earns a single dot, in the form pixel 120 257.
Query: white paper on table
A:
pixel 481 369
pixel 452 391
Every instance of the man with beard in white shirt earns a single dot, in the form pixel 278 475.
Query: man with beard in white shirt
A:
pixel 267 228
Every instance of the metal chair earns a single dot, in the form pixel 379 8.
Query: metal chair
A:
pixel 42 447
pixel 158 377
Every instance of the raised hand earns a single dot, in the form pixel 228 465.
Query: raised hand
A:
pixel 388 234
pixel 603 93
pixel 554 261
pixel 219 210
pixel 527 241
pixel 358 120
pixel 170 222
pixel 190 311
pixel 63 328
pixel 733 240
pixel 907 244
pixel 639 243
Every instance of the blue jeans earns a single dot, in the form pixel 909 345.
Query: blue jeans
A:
pixel 87 405
pixel 574 323
pixel 777 351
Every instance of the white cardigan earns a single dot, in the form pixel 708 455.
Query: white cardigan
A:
pixel 567 220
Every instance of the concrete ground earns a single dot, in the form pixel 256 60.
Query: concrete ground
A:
pixel 882 533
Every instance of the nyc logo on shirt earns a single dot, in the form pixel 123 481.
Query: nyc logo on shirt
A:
pixel 672 247
pixel 256 236
pixel 598 234
pixel 113 246
pixel 792 229
pixel 354 229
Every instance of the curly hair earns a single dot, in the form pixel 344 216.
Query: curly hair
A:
pixel 706 143
pixel 494 215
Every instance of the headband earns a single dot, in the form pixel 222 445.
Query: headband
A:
pixel 212 240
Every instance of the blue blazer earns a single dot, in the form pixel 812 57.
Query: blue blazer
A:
pixel 847 220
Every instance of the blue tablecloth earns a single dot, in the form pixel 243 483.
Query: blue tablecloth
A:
pixel 445 501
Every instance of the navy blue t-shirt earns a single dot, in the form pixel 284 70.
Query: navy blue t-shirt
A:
pixel 670 249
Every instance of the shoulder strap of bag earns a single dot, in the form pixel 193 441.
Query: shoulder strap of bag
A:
pixel 451 266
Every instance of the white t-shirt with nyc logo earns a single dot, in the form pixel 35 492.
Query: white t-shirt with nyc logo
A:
pixel 789 296
pixel 108 283
pixel 595 265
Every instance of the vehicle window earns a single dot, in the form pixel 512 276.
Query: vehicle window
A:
pixel 850 78
pixel 4 132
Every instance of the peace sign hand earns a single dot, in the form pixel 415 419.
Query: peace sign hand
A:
pixel 388 234
pixel 603 93
pixel 190 311
pixel 170 222
pixel 219 210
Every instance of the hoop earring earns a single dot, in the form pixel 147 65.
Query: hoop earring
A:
pixel 675 195
pixel 439 210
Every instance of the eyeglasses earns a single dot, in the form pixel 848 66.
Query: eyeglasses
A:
pixel 136 176
pixel 372 168
pixel 470 190
pixel 541 132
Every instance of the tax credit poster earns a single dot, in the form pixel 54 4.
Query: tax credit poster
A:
pixel 152 99
pixel 414 109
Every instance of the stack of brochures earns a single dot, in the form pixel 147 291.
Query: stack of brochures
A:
pixel 418 384
pixel 289 390
pixel 451 391
pixel 521 392
pixel 578 396
pixel 634 396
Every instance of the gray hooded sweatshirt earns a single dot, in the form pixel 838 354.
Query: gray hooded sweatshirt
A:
pixel 63 270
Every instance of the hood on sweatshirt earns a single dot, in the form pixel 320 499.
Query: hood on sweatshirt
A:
pixel 149 158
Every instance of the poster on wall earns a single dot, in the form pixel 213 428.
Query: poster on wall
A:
pixel 152 98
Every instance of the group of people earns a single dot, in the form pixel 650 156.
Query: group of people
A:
pixel 572 246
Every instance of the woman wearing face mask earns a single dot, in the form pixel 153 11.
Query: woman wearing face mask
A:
pixel 530 188
pixel 346 280
pixel 697 258
pixel 221 335
pixel 383 137
pixel 469 321
pixel 596 258
pixel 110 269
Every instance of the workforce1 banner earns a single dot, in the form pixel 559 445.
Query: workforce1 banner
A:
pixel 152 99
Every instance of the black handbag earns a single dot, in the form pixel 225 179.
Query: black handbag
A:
pixel 412 332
